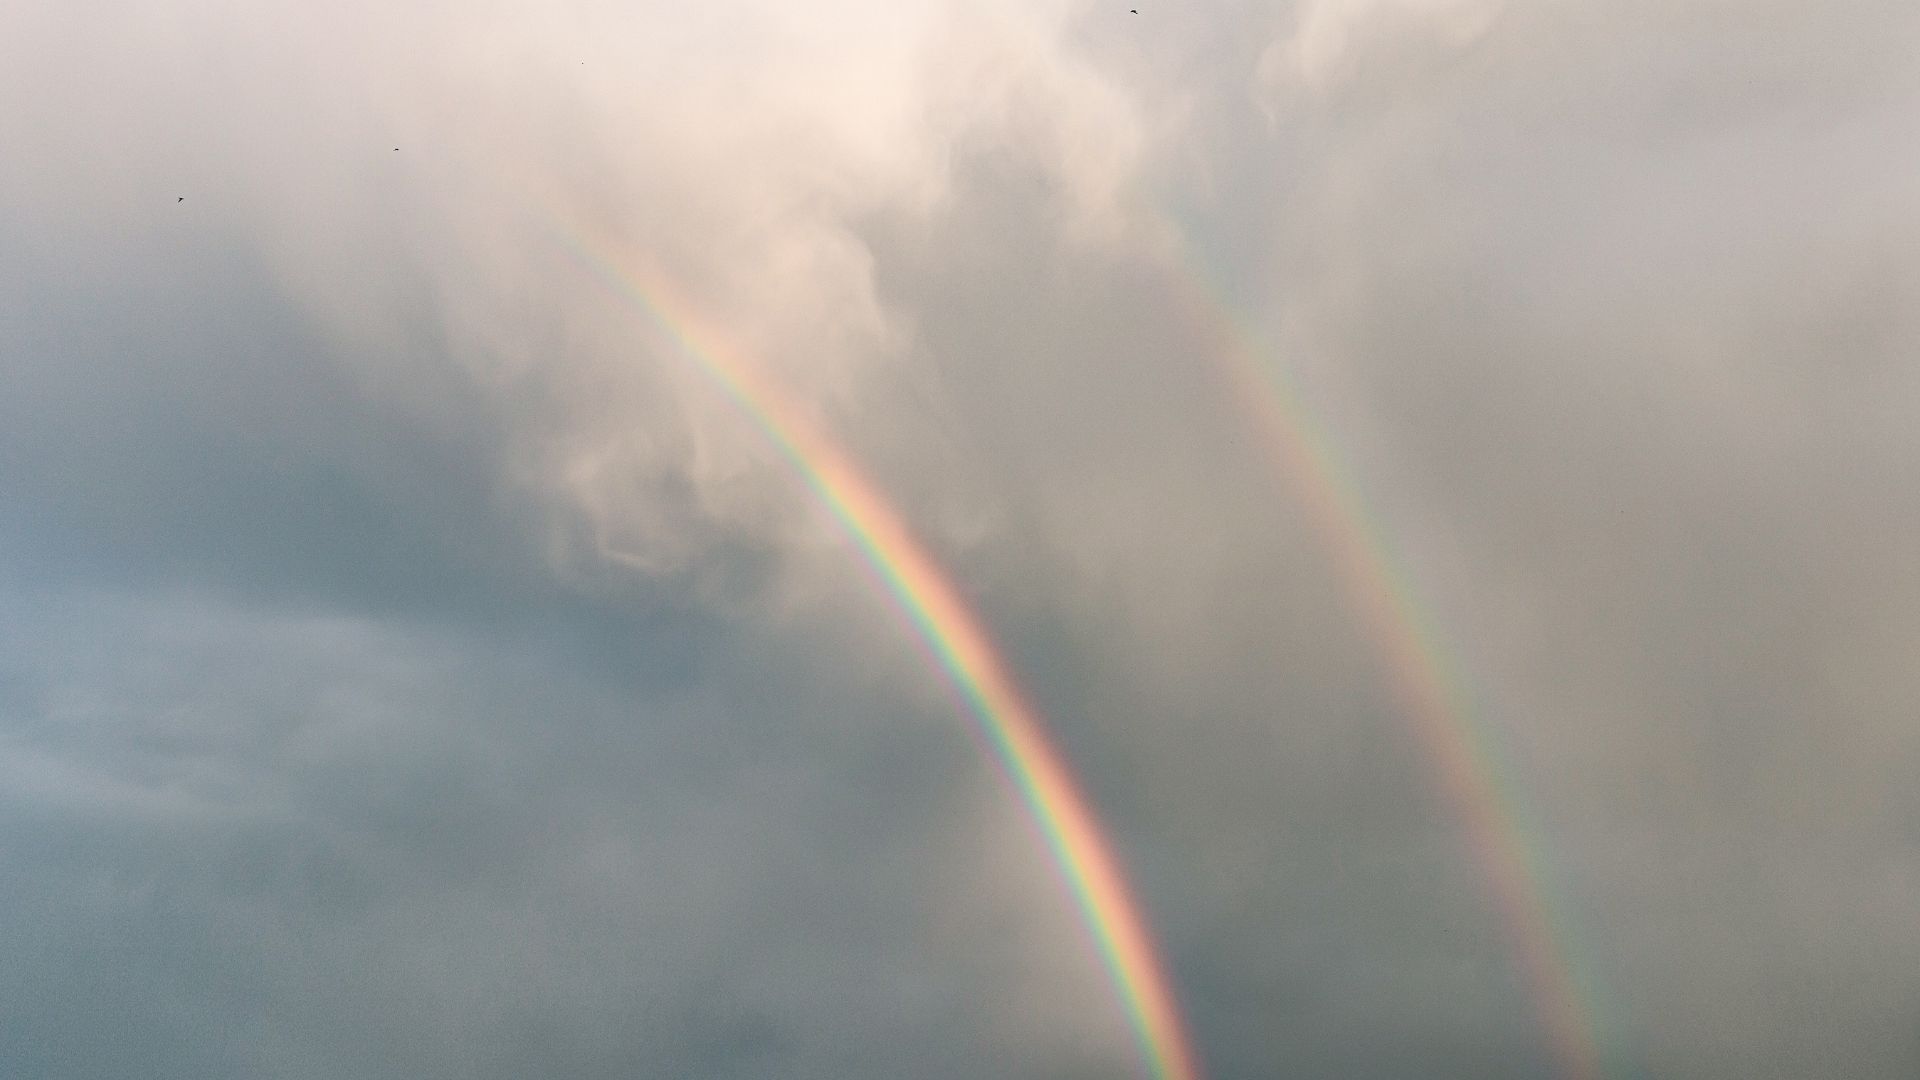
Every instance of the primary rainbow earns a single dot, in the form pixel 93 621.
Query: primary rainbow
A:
pixel 1470 769
pixel 958 642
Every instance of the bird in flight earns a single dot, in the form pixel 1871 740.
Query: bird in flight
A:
pixel 181 199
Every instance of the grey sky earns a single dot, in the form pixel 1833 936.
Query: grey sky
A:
pixel 410 666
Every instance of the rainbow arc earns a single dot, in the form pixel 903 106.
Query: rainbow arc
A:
pixel 1466 759
pixel 959 643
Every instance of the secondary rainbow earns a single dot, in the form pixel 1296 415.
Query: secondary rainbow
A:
pixel 1470 769
pixel 957 641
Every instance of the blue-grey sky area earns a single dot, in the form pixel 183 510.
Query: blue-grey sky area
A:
pixel 411 666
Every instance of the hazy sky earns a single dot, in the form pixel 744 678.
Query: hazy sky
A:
pixel 412 665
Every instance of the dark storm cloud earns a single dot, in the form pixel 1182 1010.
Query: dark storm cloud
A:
pixel 414 668
pixel 299 844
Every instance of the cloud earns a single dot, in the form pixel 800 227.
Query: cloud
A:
pixel 414 665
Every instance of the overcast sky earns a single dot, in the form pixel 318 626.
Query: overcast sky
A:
pixel 412 666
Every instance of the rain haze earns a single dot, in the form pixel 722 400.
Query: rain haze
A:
pixel 531 534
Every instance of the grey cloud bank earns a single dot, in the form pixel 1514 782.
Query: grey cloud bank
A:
pixel 413 667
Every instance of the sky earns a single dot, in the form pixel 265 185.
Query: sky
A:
pixel 1442 472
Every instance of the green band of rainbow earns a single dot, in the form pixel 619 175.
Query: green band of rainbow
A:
pixel 1466 760
pixel 956 639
